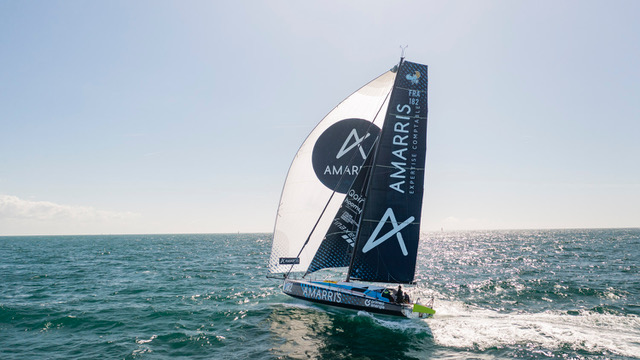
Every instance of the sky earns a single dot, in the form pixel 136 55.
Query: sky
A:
pixel 122 117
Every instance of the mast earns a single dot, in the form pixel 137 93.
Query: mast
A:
pixel 373 163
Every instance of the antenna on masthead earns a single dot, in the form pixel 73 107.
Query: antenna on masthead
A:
pixel 403 49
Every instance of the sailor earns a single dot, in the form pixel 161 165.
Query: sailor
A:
pixel 387 295
pixel 399 295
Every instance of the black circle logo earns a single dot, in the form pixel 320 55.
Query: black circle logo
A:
pixel 341 150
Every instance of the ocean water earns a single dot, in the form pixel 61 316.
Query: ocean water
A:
pixel 543 294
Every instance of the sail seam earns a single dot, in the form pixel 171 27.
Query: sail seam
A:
pixel 386 222
pixel 393 167
pixel 408 116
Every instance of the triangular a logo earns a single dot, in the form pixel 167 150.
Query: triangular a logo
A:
pixel 375 241
pixel 356 142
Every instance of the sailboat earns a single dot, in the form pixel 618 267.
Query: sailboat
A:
pixel 352 198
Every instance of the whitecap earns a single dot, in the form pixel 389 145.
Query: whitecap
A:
pixel 463 326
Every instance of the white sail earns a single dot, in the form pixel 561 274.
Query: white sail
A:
pixel 310 182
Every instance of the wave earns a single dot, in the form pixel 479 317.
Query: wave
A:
pixel 463 326
pixel 411 325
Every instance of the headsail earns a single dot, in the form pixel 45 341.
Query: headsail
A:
pixel 337 246
pixel 390 228
pixel 322 172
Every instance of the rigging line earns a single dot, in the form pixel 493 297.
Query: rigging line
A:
pixel 341 179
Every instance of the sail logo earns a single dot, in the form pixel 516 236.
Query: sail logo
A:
pixel 347 148
pixel 348 239
pixel 414 78
pixel 400 143
pixel 289 261
pixel 340 151
pixel 391 217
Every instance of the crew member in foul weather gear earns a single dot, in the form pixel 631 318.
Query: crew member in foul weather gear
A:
pixel 387 295
pixel 399 295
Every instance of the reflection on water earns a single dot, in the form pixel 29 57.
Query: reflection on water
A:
pixel 320 332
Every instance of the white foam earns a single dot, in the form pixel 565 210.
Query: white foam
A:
pixel 462 326
pixel 297 305
pixel 146 341
pixel 398 323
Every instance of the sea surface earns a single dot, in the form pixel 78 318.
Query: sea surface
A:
pixel 535 294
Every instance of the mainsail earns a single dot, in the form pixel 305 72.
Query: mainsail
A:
pixel 353 195
pixel 390 227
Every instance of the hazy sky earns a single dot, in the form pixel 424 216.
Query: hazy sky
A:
pixel 184 116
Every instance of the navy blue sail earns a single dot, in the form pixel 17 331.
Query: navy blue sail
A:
pixel 337 246
pixel 389 230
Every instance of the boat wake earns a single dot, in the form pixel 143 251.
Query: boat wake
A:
pixel 463 326
pixel 416 326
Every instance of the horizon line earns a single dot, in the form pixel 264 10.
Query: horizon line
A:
pixel 270 232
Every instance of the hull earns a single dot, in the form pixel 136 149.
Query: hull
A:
pixel 335 294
